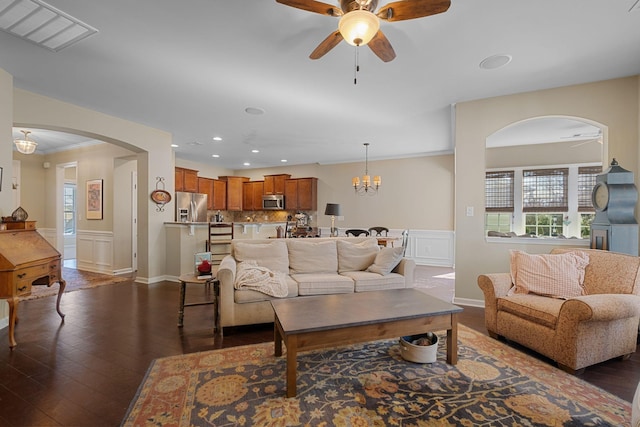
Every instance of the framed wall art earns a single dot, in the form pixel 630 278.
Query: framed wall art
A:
pixel 94 199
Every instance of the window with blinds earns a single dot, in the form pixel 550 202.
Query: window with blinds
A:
pixel 499 191
pixel 586 182
pixel 545 190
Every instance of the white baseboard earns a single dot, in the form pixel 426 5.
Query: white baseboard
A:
pixel 469 302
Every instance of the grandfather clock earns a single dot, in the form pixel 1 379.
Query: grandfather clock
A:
pixel 614 198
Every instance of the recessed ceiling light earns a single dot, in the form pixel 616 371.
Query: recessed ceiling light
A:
pixel 256 111
pixel 255 151
pixel 175 145
pixel 284 160
pixel 247 164
pixel 215 155
pixel 495 61
pixel 217 138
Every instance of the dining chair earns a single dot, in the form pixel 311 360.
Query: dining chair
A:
pixel 405 241
pixel 379 231
pixel 356 232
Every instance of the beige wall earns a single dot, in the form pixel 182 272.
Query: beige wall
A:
pixel 6 158
pixel 612 103
pixel 416 193
pixel 154 157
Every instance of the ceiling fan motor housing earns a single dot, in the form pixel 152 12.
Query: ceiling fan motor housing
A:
pixel 350 5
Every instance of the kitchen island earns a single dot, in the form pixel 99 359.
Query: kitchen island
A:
pixel 185 239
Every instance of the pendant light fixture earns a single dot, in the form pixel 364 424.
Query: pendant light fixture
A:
pixel 366 187
pixel 25 145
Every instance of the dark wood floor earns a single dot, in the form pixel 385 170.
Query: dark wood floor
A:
pixel 85 371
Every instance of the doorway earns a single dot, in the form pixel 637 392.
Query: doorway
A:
pixel 67 182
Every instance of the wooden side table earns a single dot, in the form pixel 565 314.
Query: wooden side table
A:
pixel 192 278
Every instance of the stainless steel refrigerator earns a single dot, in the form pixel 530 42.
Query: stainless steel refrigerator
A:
pixel 191 207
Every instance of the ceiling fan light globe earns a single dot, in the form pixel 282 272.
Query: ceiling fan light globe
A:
pixel 358 27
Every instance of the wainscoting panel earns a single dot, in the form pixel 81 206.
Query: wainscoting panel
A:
pixel 429 247
pixel 95 251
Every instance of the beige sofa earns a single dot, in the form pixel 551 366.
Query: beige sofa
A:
pixel 578 331
pixel 312 267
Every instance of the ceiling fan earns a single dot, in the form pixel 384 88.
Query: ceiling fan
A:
pixel 359 23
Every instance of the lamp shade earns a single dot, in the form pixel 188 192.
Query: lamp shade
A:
pixel 358 27
pixel 333 209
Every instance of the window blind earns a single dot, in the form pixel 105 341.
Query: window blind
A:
pixel 545 190
pixel 499 191
pixel 586 182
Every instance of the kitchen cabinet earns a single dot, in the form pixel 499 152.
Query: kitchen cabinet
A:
pixel 186 180
pixel 274 184
pixel 252 195
pixel 216 192
pixel 205 186
pixel 301 194
pixel 234 191
pixel 219 195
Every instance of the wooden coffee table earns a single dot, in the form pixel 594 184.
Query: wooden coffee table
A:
pixel 307 323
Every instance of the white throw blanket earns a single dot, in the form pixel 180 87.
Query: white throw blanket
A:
pixel 252 276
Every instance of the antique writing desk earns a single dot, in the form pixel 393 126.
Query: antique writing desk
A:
pixel 26 258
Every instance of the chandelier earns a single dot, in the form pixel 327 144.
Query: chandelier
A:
pixel 25 145
pixel 366 187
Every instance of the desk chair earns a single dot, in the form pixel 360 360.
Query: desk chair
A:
pixel 356 232
pixel 379 231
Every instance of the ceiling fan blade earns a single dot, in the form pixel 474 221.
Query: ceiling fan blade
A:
pixel 380 45
pixel 313 6
pixel 326 45
pixel 402 10
pixel 589 141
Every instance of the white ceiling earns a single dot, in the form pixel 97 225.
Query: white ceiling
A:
pixel 193 67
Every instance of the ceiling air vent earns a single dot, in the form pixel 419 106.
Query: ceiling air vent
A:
pixel 42 24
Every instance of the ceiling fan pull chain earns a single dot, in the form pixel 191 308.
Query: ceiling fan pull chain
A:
pixel 356 67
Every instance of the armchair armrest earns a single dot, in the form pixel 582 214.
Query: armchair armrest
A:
pixel 600 307
pixel 493 286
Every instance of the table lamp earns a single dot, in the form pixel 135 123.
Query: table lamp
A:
pixel 334 210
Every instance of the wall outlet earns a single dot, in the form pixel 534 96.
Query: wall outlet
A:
pixel 469 210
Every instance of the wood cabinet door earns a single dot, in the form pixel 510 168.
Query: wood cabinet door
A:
pixel 190 181
pixel 234 191
pixel 274 184
pixel 179 179
pixel 186 180
pixel 205 186
pixel 307 194
pixel 291 194
pixel 257 187
pixel 219 195
pixel 247 196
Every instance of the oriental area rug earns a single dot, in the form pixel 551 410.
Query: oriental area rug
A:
pixel 370 385
pixel 76 280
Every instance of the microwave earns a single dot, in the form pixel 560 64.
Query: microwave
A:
pixel 273 202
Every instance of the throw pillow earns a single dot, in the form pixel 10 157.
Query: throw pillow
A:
pixel 553 275
pixel 356 256
pixel 386 260
pixel 272 255
pixel 312 256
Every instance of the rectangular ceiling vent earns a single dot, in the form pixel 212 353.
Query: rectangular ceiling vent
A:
pixel 42 24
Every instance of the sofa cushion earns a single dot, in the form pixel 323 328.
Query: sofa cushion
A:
pixel 553 275
pixel 241 296
pixel 356 256
pixel 367 281
pixel 535 308
pixel 272 255
pixel 386 260
pixel 323 284
pixel 312 256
